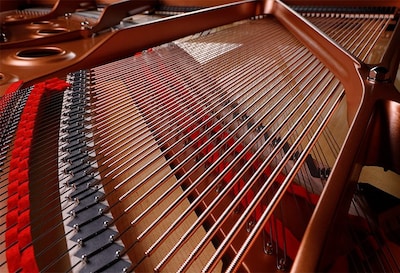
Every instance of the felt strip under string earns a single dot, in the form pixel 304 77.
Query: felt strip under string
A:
pixel 19 248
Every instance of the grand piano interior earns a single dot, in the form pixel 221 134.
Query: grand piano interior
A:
pixel 199 135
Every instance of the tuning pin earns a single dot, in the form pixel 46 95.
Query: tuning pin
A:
pixel 72 213
pixel 84 258
pixel 76 227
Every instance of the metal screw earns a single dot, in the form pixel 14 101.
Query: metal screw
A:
pixel 378 74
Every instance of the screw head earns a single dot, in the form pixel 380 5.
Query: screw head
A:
pixel 378 74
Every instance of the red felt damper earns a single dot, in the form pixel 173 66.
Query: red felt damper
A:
pixel 13 186
pixel 25 153
pixel 18 145
pixel 24 238
pixel 19 248
pixel 12 221
pixel 28 132
pixel 23 219
pixel 13 175
pixel 13 258
pixel 23 176
pixel 28 262
pixel 23 164
pixel 12 203
pixel 24 203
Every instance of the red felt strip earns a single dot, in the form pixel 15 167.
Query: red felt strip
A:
pixel 13 258
pixel 13 201
pixel 228 177
pixel 314 198
pixel 23 164
pixel 18 143
pixel 23 176
pixel 14 87
pixel 18 234
pixel 25 153
pixel 239 148
pixel 230 142
pixel 24 237
pixel 24 202
pixel 13 175
pixel 249 197
pixel 221 166
pixel 189 129
pixel 287 240
pixel 26 143
pixel 208 148
pixel 217 128
pixel 28 262
pixel 23 219
pixel 259 210
pixel 13 186
pixel 214 157
pixel 28 133
pixel 247 156
pixel 11 220
pixel 202 140
pixel 209 122
pixel 194 135
pixel 23 189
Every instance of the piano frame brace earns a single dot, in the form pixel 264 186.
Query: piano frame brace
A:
pixel 363 96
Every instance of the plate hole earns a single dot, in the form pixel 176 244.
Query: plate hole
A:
pixel 51 31
pixel 39 52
